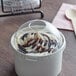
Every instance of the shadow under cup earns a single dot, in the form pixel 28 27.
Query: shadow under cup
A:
pixel 46 65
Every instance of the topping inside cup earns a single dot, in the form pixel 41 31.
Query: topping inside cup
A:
pixel 37 42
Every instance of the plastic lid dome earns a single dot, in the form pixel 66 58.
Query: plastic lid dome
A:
pixel 39 26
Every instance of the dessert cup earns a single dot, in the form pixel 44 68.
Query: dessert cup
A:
pixel 49 64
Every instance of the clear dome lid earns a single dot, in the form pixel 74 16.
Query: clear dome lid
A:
pixel 39 27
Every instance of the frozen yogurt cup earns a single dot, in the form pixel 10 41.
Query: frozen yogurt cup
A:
pixel 38 49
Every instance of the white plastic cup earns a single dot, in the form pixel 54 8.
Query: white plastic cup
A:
pixel 47 65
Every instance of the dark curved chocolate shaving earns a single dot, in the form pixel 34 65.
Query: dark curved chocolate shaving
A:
pixel 55 42
pixel 25 35
pixel 49 50
pixel 45 43
pixel 40 41
pixel 32 33
pixel 30 42
pixel 38 47
pixel 21 48
pixel 49 43
pixel 34 42
pixel 34 45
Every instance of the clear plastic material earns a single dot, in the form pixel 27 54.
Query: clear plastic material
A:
pixel 38 64
pixel 40 26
